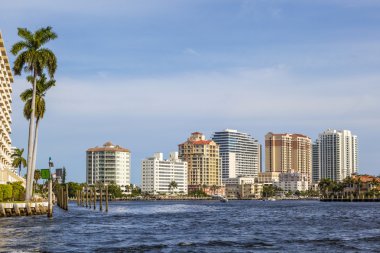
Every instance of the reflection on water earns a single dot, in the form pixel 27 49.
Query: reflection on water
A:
pixel 199 226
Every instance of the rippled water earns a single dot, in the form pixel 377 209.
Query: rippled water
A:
pixel 200 226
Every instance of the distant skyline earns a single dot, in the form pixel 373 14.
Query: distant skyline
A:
pixel 146 74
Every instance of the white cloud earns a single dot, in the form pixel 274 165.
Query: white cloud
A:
pixel 266 94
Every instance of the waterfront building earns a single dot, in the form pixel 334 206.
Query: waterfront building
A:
pixel 243 187
pixel 158 174
pixel 240 154
pixel 108 164
pixel 337 152
pixel 292 182
pixel 288 153
pixel 203 161
pixel 7 172
pixel 315 163
pixel 268 177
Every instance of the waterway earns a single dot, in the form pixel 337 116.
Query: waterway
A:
pixel 199 226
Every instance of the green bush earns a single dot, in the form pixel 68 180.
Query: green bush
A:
pixel 18 191
pixel 5 192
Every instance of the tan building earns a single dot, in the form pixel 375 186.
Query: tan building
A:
pixel 243 187
pixel 268 177
pixel 288 153
pixel 6 171
pixel 204 165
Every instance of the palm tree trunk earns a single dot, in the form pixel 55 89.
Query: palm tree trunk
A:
pixel 35 151
pixel 29 179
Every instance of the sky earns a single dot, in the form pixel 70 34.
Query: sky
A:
pixel 146 74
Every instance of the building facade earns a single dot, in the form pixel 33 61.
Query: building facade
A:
pixel 203 161
pixel 158 174
pixel 240 154
pixel 292 182
pixel 7 173
pixel 108 164
pixel 337 152
pixel 288 153
pixel 243 187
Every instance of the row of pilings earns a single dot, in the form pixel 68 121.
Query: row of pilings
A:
pixel 88 196
pixel 63 197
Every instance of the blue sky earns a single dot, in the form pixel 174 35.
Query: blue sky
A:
pixel 145 74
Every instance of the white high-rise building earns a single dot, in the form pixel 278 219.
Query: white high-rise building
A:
pixel 108 164
pixel 158 174
pixel 337 154
pixel 239 152
pixel 7 173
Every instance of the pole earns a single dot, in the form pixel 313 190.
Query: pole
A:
pixel 50 198
pixel 86 197
pixel 67 198
pixel 100 199
pixel 94 198
pixel 106 198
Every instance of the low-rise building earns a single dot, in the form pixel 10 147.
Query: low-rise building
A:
pixel 243 187
pixel 268 177
pixel 293 182
pixel 159 175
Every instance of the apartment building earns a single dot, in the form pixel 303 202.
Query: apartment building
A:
pixel 158 174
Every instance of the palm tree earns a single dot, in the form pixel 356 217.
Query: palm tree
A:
pixel 40 107
pixel 18 160
pixel 37 176
pixel 173 185
pixel 33 57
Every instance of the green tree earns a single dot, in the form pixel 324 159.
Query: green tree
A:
pixel 43 85
pixel 172 186
pixel 270 191
pixel 18 191
pixel 37 176
pixel 18 160
pixel 114 190
pixel 33 57
pixel 73 187
pixel 63 175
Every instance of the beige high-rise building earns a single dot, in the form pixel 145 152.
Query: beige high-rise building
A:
pixel 6 78
pixel 204 164
pixel 288 153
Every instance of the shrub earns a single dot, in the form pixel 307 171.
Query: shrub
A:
pixel 5 192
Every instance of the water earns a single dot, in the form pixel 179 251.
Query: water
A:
pixel 200 226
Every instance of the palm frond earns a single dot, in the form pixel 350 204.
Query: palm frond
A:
pixel 17 47
pixel 44 35
pixel 25 34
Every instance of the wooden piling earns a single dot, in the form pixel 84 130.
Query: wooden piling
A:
pixel 67 198
pixel 16 210
pixel 2 211
pixel 90 199
pixel 101 198
pixel 28 209
pixel 86 197
pixel 94 198
pixel 50 199
pixel 61 199
pixel 106 198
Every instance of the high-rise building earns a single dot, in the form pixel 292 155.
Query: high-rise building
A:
pixel 288 153
pixel 7 173
pixel 337 154
pixel 108 164
pixel 315 163
pixel 202 157
pixel 158 174
pixel 239 152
